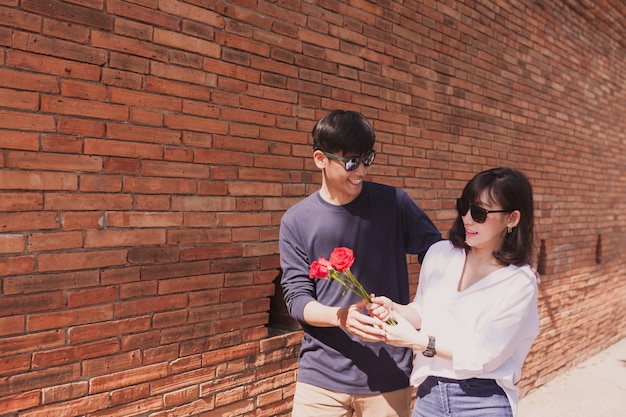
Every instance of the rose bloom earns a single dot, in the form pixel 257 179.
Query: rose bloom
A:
pixel 319 269
pixel 341 258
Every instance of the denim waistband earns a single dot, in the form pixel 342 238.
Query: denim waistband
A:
pixel 451 380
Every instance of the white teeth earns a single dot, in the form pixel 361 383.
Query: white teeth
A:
pixel 355 182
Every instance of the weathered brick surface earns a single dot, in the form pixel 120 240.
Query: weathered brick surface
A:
pixel 149 149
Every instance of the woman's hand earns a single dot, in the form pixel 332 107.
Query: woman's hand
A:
pixel 380 307
pixel 404 334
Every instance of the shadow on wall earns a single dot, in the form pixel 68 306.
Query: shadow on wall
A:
pixel 280 321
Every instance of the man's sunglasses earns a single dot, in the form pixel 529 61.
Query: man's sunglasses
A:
pixel 479 214
pixel 353 163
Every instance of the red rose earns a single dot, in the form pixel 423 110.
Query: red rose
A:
pixel 319 269
pixel 341 259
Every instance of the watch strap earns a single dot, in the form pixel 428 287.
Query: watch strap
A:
pixel 430 349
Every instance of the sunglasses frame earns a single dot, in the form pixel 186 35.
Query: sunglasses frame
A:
pixel 464 206
pixel 355 160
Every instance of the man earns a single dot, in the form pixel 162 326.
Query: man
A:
pixel 344 367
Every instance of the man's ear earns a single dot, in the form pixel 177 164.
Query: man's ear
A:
pixel 514 219
pixel 320 159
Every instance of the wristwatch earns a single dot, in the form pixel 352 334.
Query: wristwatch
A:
pixel 430 349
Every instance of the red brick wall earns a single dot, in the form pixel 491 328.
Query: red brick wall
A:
pixel 149 148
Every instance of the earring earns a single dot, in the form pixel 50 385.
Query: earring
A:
pixel 509 230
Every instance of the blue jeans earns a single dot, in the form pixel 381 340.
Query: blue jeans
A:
pixel 475 397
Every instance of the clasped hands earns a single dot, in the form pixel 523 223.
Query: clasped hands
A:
pixel 372 327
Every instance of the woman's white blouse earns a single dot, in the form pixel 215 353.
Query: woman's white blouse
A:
pixel 490 326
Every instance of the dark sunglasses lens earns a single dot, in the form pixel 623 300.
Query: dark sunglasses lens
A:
pixel 478 214
pixel 352 164
pixel 369 158
pixel 461 206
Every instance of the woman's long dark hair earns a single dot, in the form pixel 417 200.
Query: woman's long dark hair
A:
pixel 511 190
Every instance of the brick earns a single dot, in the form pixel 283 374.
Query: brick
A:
pixel 83 108
pixel 69 354
pixel 84 405
pixel 181 380
pixel 69 317
pixel 114 328
pixel 18 120
pixel 120 275
pixel 111 42
pixel 203 203
pixel 21 401
pixel 53 162
pixel 193 123
pixel 20 99
pixel 65 30
pixel 64 392
pixel 195 283
pixel 47 66
pixel 54 241
pixel 147 404
pixel 175 169
pixel 132 376
pixel 129 394
pixel 133 29
pixel 211 252
pixel 100 183
pixel 19 140
pixel 49 282
pixel 14 345
pixel 62 143
pixel 121 238
pixel 146 117
pixel 140 340
pixel 153 255
pixel 83 90
pixel 15 364
pixel 49 262
pixel 169 319
pixel 119 78
pixel 11 325
pixel 32 303
pixel 159 186
pixel 152 202
pixel 92 296
pixel 143 14
pixel 76 126
pixel 10 243
pixel 144 99
pixel 29 180
pixel 50 46
pixel 82 220
pixel 138 289
pixel 77 14
pixel 16 265
pixel 142 134
pixel 151 305
pixel 88 201
pixel 123 149
pixel 182 396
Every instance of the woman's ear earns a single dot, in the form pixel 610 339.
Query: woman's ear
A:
pixel 514 219
pixel 320 159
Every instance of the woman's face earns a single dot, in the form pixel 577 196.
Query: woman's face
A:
pixel 487 235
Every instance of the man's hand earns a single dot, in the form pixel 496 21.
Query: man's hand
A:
pixel 361 325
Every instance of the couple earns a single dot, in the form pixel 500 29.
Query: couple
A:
pixel 463 337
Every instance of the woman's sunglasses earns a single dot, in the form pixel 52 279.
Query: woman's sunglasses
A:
pixel 350 164
pixel 479 214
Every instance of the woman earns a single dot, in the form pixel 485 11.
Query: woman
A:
pixel 474 316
